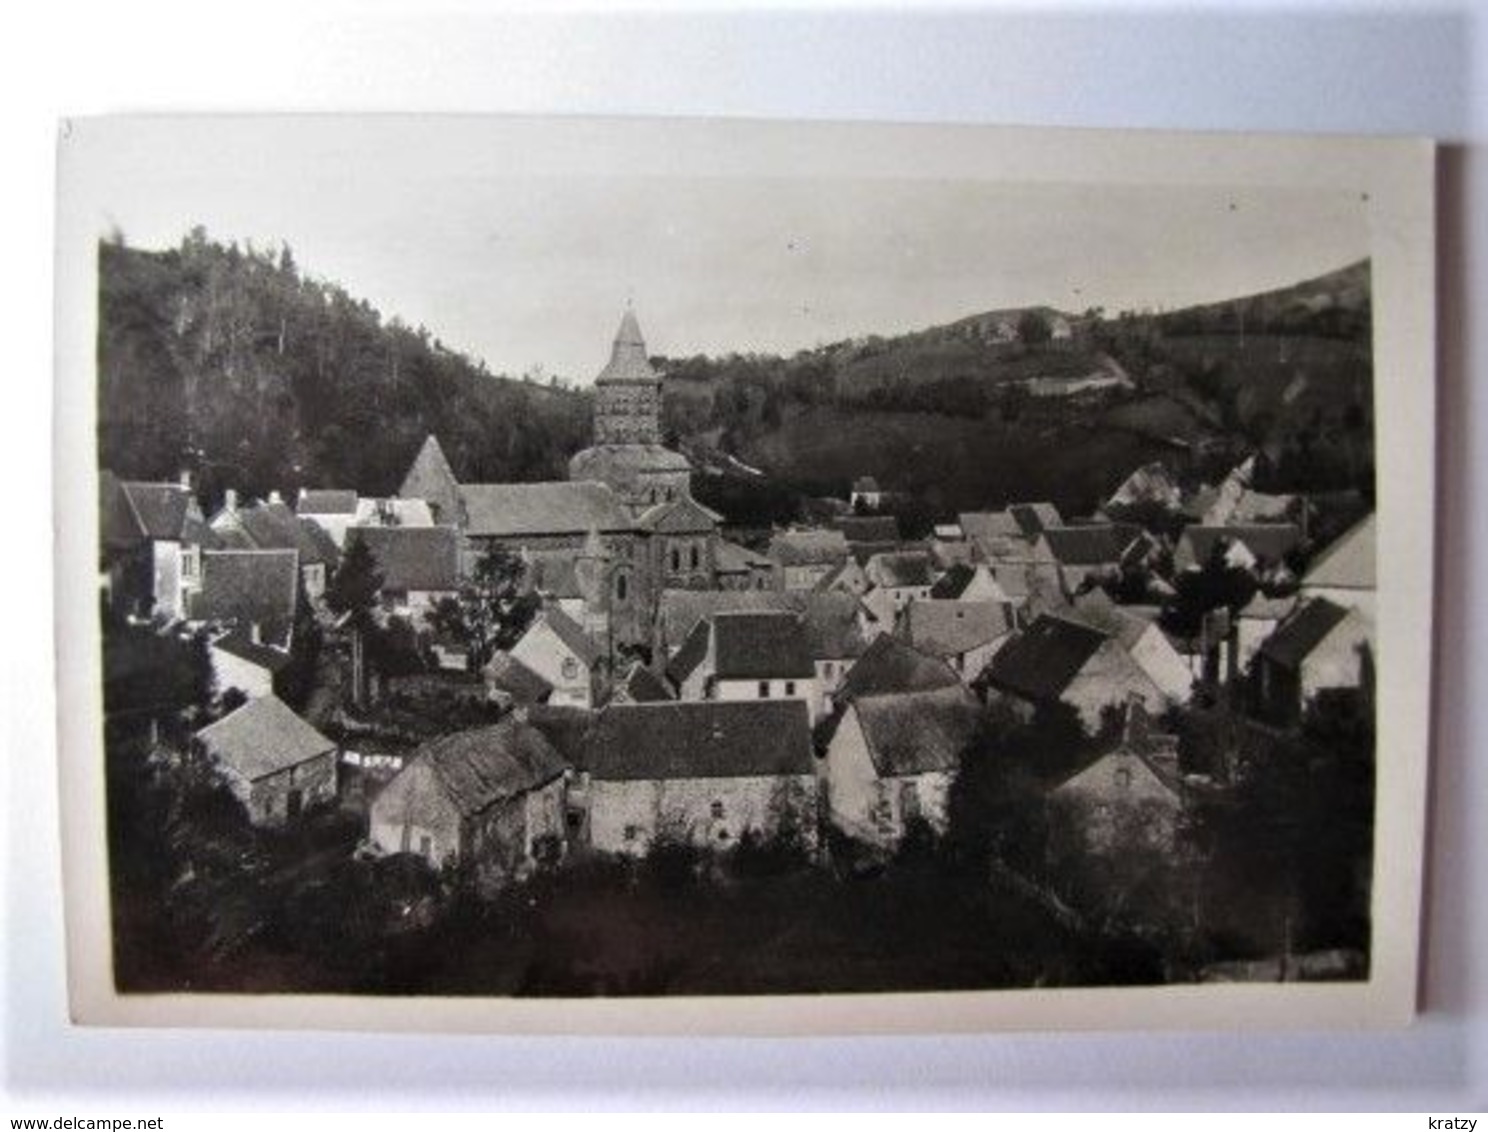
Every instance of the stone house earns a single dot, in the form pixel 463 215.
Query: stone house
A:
pixel 558 650
pixel 490 799
pixel 252 591
pixel 965 634
pixel 419 567
pixel 891 761
pixel 275 763
pixel 1321 647
pixel 890 664
pixel 702 772
pixel 333 510
pixel 1144 641
pixel 804 558
pixel 902 576
pixel 239 661
pixel 747 657
pixel 152 536
pixel 272 525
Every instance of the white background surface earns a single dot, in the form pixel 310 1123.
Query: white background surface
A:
pixel 1335 68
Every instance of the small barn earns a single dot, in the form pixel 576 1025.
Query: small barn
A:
pixel 275 763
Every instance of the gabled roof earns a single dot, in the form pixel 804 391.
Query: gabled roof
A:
pixel 412 558
pixel 273 526
pixel 643 686
pixel 693 652
pixel 565 727
pixel 683 515
pixel 809 548
pixel 1296 637
pixel 247 587
pixel 700 739
pixel 749 646
pixel 263 737
pixel 509 510
pixel 1349 562
pixel 431 479
pixel 868 528
pixel 1269 542
pixel 239 644
pixel 119 527
pixel 161 509
pixel 892 665
pixel 1040 662
pixel 567 630
pixel 900 569
pixel 1097 610
pixel 952 584
pixel 951 628
pixel 1087 546
pixel 830 619
pixel 553 573
pixel 326 501
pixel 506 673
pixel 628 361
pixel 917 732
pixel 989 525
pixel 485 765
pixel 865 483
pixel 735 559
pixel 1033 518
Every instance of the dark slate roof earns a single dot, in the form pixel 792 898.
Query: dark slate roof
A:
pixel 892 665
pixel 326 501
pixel 680 516
pixel 317 545
pixel 950 628
pixel 1040 662
pixel 952 584
pixel 989 525
pixel 273 526
pixel 809 548
pixel 1087 546
pixel 485 765
pixel 900 568
pixel 245 587
pixel 917 732
pixel 263 737
pixel 644 686
pixel 693 652
pixel 1269 542
pixel 506 673
pixel 508 510
pixel 160 508
pixel 239 644
pixel 868 528
pixel 412 558
pixel 1302 632
pixel 119 528
pixel 831 619
pixel 701 739
pixel 567 728
pixel 750 646
pixel 1035 517
pixel 571 633
pixel 628 361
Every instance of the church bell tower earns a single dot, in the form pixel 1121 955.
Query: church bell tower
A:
pixel 628 391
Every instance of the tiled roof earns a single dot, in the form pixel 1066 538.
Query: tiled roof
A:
pixel 1098 611
pixel 868 528
pixel 119 527
pixel 1269 542
pixel 246 587
pixel 515 509
pixel 239 644
pixel 952 584
pixel 989 525
pixel 160 508
pixel 1087 546
pixel 900 568
pixel 431 479
pixel 951 628
pixel 736 559
pixel 1296 637
pixel 809 548
pixel 750 646
pixel 1039 663
pixel 506 673
pixel 273 526
pixel 326 501
pixel 917 732
pixel 412 558
pixel 892 665
pixel 700 739
pixel 263 737
pixel 318 545
pixel 644 686
pixel 485 765
pixel 628 361
pixel 1349 562
pixel 567 728
pixel 693 652
pixel 680 516
pixel 1035 517
pixel 830 619
pixel 567 630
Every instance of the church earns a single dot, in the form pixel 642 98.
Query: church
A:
pixel 623 526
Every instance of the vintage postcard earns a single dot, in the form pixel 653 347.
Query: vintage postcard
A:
pixel 619 575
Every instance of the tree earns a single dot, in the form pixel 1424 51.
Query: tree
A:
pixel 492 611
pixel 1033 329
pixel 353 594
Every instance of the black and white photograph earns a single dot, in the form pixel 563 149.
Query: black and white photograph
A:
pixel 615 561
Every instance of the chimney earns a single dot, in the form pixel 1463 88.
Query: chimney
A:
pixel 255 634
pixel 230 500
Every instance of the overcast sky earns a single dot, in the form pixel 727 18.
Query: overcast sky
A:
pixel 535 271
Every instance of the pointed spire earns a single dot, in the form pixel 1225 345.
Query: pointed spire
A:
pixel 628 360
pixel 431 479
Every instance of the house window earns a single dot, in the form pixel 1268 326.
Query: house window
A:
pixel 570 668
pixel 692 558
pixel 1123 777
pixel 790 687
pixel 764 689
pixel 622 587
pixel 676 560
pixel 189 563
pixel 717 809
pixel 631 832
